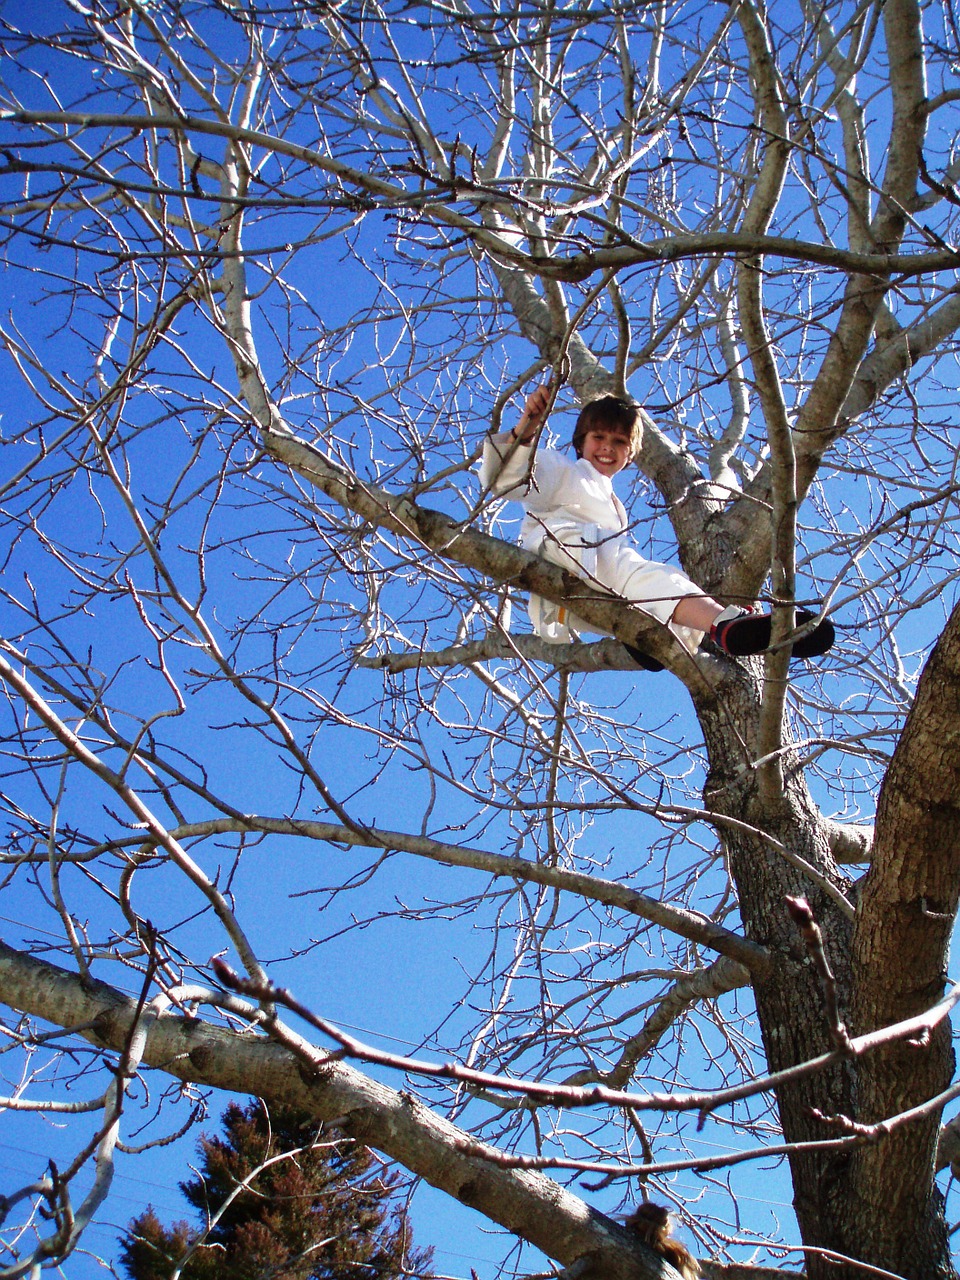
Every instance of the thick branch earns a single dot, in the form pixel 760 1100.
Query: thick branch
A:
pixel 601 655
pixel 821 421
pixel 527 1204
pixel 576 267
pixel 901 945
pixel 849 841
pixel 782 553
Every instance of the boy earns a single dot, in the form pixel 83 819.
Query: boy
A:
pixel 575 520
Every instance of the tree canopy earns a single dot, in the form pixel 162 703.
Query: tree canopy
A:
pixel 282 756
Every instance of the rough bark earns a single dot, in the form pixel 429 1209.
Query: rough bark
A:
pixel 900 949
pixel 789 995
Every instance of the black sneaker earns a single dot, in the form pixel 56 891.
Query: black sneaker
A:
pixel 749 633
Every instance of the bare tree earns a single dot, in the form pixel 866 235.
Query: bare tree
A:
pixel 273 270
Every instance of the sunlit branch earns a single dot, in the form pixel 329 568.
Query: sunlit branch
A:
pixel 576 266
pixel 692 925
pixel 541 1093
pixel 317 1085
pixel 601 655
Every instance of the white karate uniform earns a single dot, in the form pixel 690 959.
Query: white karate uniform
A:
pixel 574 519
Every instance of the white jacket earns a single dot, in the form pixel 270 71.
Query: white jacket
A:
pixel 561 488
pixel 574 519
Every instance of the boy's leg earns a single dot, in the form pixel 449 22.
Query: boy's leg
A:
pixel 584 558
pixel 584 551
pixel 675 602
pixel 656 587
pixel 659 590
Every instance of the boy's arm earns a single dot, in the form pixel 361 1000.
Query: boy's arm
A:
pixel 531 420
pixel 506 457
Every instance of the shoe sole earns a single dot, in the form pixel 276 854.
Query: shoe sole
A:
pixel 643 659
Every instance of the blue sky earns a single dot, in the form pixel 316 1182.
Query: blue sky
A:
pixel 293 591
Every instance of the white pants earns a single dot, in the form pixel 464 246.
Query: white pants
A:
pixel 606 560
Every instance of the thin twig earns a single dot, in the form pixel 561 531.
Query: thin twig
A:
pixel 803 918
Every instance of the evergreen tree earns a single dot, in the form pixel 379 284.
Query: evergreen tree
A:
pixel 313 1207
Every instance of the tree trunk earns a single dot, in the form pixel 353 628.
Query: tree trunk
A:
pixel 873 1203
pixel 900 949
pixel 789 995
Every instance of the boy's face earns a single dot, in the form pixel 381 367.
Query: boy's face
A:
pixel 607 449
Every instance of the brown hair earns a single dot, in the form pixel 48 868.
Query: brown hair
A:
pixel 613 413
pixel 651 1222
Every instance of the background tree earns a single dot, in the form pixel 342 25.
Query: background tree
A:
pixel 277 1198
pixel 273 270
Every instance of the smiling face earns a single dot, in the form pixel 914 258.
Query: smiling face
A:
pixel 607 449
pixel 614 428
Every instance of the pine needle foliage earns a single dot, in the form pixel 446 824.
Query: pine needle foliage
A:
pixel 279 1199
